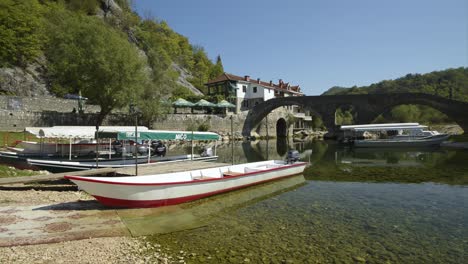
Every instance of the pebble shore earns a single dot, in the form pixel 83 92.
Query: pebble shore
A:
pixel 92 250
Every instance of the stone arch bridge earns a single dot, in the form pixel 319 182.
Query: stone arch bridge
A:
pixel 367 107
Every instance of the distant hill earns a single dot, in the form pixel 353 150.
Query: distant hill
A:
pixel 440 83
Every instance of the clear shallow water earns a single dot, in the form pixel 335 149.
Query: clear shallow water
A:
pixel 380 206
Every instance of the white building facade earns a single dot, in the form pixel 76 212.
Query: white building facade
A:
pixel 245 92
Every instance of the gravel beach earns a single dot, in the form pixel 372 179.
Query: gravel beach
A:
pixel 93 250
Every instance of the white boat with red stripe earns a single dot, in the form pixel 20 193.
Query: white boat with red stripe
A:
pixel 179 187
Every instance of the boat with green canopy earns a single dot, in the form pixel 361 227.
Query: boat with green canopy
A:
pixel 145 140
pixel 159 135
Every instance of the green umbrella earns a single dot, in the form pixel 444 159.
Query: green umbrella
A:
pixel 182 103
pixel 225 104
pixel 204 103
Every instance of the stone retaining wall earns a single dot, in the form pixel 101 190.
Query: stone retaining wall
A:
pixel 16 113
pixel 39 104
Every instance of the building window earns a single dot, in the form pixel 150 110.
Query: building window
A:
pixel 255 89
pixel 244 88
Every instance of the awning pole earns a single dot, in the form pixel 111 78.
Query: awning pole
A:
pixel 97 145
pixel 232 140
pixel 136 144
pixel 70 149
pixel 216 144
pixel 149 151
pixel 192 147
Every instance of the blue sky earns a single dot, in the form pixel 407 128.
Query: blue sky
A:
pixel 320 44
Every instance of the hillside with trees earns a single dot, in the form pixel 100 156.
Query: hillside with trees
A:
pixel 450 83
pixel 103 50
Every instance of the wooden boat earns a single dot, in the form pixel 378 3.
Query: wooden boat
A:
pixel 78 148
pixel 74 141
pixel 179 187
pixel 67 165
pixel 392 135
pixel 128 156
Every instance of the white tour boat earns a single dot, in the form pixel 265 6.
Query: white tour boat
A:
pixel 73 141
pixel 393 135
pixel 59 165
pixel 178 187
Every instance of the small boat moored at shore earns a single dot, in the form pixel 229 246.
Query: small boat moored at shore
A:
pixel 121 151
pixel 179 187
pixel 66 165
pixel 392 135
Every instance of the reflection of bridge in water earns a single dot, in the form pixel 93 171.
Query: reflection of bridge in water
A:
pixel 366 107
pixel 319 152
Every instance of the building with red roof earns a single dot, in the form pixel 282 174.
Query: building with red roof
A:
pixel 246 92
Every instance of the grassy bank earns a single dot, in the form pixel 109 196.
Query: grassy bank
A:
pixel 9 138
pixel 7 171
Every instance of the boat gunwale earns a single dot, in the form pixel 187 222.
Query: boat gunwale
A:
pixel 126 203
pixel 86 179
pixel 405 140
pixel 91 163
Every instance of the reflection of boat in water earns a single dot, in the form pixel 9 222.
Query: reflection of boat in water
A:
pixel 178 187
pixel 387 157
pixel 392 135
pixel 196 214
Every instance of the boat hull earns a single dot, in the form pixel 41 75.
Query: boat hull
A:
pixel 128 194
pixel 67 165
pixel 43 149
pixel 421 142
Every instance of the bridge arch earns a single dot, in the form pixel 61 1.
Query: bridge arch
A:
pixel 261 114
pixel 367 106
pixel 281 128
pixel 417 101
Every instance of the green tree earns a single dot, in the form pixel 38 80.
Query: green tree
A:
pixel 405 113
pixel 21 31
pixel 217 68
pixel 88 7
pixel 85 54
pixel 201 68
pixel 163 77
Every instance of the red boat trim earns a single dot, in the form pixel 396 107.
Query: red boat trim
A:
pixel 79 178
pixel 113 202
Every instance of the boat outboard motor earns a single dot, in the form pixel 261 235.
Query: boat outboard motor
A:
pixel 142 149
pixel 158 148
pixel 293 156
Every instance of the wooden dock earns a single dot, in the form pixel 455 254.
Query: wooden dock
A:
pixel 143 169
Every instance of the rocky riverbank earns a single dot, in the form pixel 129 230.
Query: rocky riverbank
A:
pixel 92 250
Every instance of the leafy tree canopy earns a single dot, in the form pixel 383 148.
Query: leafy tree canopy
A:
pixel 21 31
pixel 85 55
pixel 111 57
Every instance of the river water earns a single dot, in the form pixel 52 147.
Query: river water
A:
pixel 350 206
